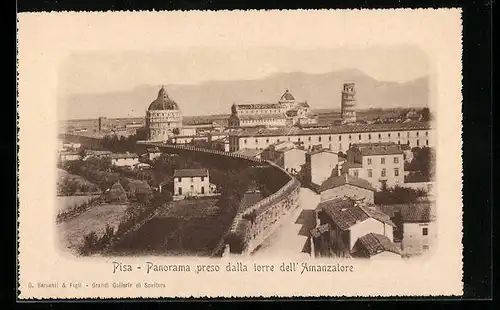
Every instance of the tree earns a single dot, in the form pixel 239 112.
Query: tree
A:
pixel 426 114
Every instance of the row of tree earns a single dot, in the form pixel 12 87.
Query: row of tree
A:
pixel 398 195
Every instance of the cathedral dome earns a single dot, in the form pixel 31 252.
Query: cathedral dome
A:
pixel 163 101
pixel 287 96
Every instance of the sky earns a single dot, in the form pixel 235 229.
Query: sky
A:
pixel 97 72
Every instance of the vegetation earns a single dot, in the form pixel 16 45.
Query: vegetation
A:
pixel 78 209
pixel 120 144
pixel 398 195
pixel 92 243
pixel 423 162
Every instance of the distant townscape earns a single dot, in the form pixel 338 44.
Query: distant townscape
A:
pixel 279 178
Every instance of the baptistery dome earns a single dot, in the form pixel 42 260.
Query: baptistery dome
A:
pixel 163 117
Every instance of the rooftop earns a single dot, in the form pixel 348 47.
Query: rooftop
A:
pixel 262 116
pixel 417 213
pixel 248 152
pixel 163 101
pixel 336 181
pixel 287 96
pixel 371 149
pixel 376 243
pixel 340 129
pixel 124 156
pixel 346 212
pixel 183 173
pixel 250 106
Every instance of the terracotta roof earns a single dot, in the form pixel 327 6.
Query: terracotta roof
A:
pixel 347 128
pixel 163 101
pixel 181 173
pixel 417 213
pixel 287 96
pixel 336 181
pixel 376 243
pixel 345 212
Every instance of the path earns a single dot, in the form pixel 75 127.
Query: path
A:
pixel 289 240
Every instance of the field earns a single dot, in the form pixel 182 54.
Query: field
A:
pixel 66 203
pixel 81 185
pixel 94 219
pixel 191 208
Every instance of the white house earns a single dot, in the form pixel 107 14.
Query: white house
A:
pixel 347 186
pixel 69 155
pixel 125 159
pixel 192 182
pixel 419 228
pixel 319 165
pixel 153 153
pixel 382 164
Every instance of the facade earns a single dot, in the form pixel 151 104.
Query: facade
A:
pixel 192 182
pixel 124 160
pixel 221 144
pixel 69 155
pixel 348 103
pixel 347 186
pixel 163 117
pixel 153 153
pixel 286 155
pixel 381 164
pixel 336 138
pixel 95 153
pixel 104 124
pixel 343 222
pixel 286 112
pixel 419 228
pixel 319 166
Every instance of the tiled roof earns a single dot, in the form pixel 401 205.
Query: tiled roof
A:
pixel 341 129
pixel 316 232
pixel 180 173
pixel 336 181
pixel 262 116
pixel 248 152
pixel 250 106
pixel 124 156
pixel 380 149
pixel 345 212
pixel 417 213
pixel 303 104
pixel 376 243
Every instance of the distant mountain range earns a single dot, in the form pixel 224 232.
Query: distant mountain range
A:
pixel 322 91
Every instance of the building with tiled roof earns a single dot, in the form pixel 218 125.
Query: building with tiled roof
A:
pixel 350 219
pixel 419 227
pixel 346 185
pixel 376 245
pixel 249 153
pixel 124 159
pixel 192 182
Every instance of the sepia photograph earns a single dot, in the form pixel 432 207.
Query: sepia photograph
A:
pixel 291 158
pixel 280 159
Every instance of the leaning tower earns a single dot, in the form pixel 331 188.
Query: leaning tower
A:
pixel 348 109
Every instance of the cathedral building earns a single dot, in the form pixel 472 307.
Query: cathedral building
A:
pixel 163 117
pixel 286 112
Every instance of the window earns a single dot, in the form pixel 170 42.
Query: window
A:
pixel 426 133
pixel 245 141
pixel 340 138
pixel 180 191
pixel 379 136
pixel 427 142
pixel 382 160
pixel 267 140
pixel 203 190
pixel 369 136
pixel 329 138
pixel 369 161
pixel 417 133
pixel 396 160
pixel 308 138
pixel 359 137
pixel 355 173
pixel 383 173
pixel 396 172
pixel 256 141
pixel 425 247
pixel 418 142
pixel 319 139
pixel 399 134
pixel 192 179
pixel 399 142
pixel 370 173
pixel 288 138
pixel 202 179
pixel 179 180
pixel 340 146
pixel 408 134
pixel 349 137
pixel 425 231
